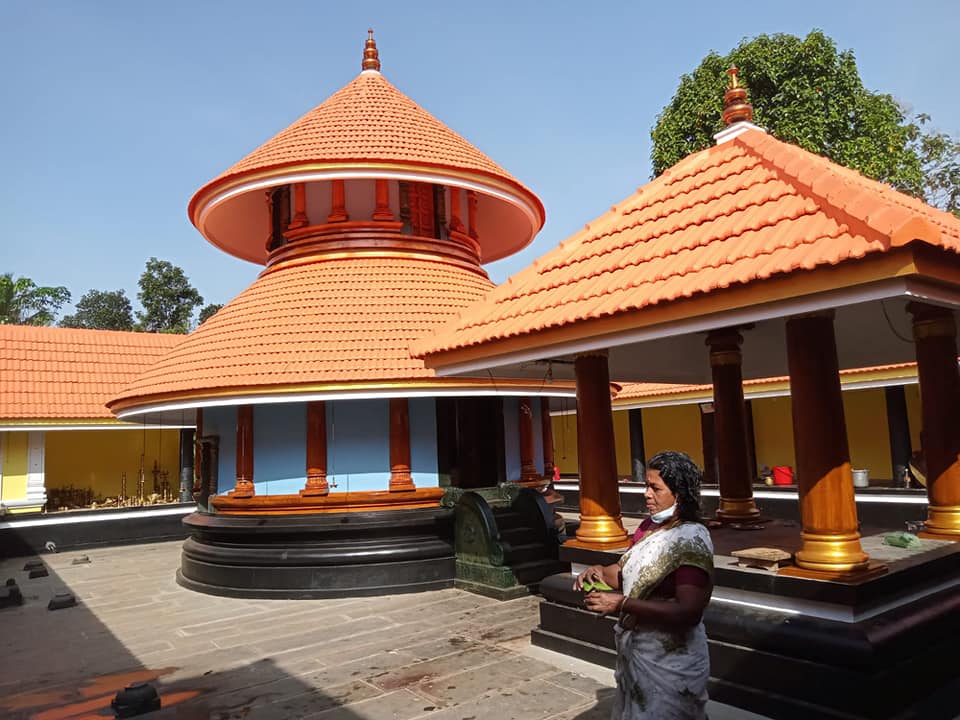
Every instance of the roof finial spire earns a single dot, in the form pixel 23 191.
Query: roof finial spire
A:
pixel 736 108
pixel 371 57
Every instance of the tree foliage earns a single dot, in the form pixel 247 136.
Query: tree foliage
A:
pixel 22 302
pixel 208 311
pixel 102 310
pixel 167 297
pixel 805 92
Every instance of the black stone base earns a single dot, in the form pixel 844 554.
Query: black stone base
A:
pixel 26 535
pixel 897 664
pixel 315 556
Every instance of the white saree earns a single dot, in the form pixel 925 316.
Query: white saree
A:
pixel 662 674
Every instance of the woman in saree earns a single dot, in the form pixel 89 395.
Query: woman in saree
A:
pixel 661 587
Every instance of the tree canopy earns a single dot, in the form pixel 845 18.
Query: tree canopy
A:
pixel 102 310
pixel 805 92
pixel 167 297
pixel 23 302
pixel 208 311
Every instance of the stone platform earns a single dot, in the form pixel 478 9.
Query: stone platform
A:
pixel 443 655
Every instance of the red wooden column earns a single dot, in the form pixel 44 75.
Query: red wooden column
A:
pixel 400 478
pixel 600 525
pixel 935 336
pixel 244 485
pixel 528 470
pixel 730 428
pixel 546 430
pixel 316 450
pixel 338 202
pixel 828 511
pixel 381 209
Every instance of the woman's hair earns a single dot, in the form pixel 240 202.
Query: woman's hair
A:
pixel 683 477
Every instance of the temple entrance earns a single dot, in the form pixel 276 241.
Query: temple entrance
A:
pixel 470 441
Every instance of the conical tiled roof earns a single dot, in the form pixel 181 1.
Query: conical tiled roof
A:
pixel 368 128
pixel 327 321
pixel 735 214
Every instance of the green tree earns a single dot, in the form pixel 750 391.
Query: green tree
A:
pixel 102 310
pixel 940 158
pixel 22 302
pixel 207 312
pixel 804 92
pixel 167 297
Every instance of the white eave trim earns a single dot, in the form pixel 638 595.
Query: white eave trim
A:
pixel 531 212
pixel 880 290
pixel 276 398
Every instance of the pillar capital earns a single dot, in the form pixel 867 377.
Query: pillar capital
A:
pixel 600 353
pixel 931 321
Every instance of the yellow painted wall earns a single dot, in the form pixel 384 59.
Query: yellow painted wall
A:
pixel 621 439
pixel 773 432
pixel 565 443
pixel 867 432
pixel 14 470
pixel 675 427
pixel 96 458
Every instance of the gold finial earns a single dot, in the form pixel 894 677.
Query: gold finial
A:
pixel 736 108
pixel 371 57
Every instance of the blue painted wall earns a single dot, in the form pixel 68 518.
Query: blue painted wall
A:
pixel 279 448
pixel 222 421
pixel 423 442
pixel 358 445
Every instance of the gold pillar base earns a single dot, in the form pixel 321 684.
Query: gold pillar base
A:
pixel 738 510
pixel 600 532
pixel 943 522
pixel 839 553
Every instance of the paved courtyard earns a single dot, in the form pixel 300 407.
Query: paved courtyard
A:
pixel 446 655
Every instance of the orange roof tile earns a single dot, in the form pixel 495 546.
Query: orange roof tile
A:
pixel 51 373
pixel 368 120
pixel 330 319
pixel 637 391
pixel 734 214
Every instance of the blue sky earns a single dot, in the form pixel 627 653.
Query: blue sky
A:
pixel 114 113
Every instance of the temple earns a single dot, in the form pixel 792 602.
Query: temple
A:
pixel 755 259
pixel 324 448
pixel 372 415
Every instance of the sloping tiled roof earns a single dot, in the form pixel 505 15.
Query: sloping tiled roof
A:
pixel 638 391
pixel 734 214
pixel 339 318
pixel 48 373
pixel 369 120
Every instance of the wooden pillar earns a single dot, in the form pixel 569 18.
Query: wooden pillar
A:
pixel 338 202
pixel 638 452
pixel 244 484
pixel 730 428
pixel 600 525
pixel 472 214
pixel 400 478
pixel 456 224
pixel 546 430
pixel 935 336
pixel 898 428
pixel 300 218
pixel 528 470
pixel 316 450
pixel 828 510
pixel 381 211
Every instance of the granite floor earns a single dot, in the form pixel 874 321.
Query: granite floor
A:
pixel 446 655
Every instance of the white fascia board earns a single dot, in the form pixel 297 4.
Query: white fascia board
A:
pixel 232 400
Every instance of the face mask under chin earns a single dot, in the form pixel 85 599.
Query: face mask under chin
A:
pixel 659 517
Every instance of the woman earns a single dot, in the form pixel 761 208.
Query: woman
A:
pixel 665 579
